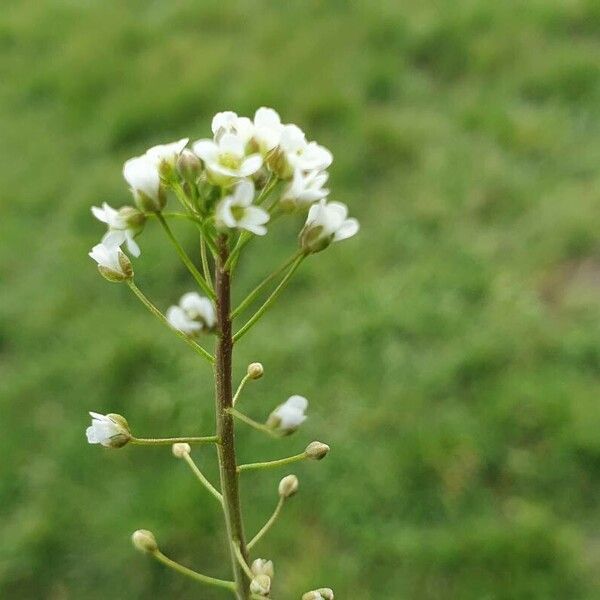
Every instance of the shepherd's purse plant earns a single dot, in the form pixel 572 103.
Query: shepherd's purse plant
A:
pixel 230 188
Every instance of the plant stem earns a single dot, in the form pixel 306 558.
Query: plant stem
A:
pixel 188 340
pixel 268 524
pixel 246 419
pixel 225 424
pixel 160 557
pixel 272 463
pixel 256 291
pixel 242 561
pixel 200 475
pixel 259 313
pixel 205 265
pixel 213 439
pixel 185 259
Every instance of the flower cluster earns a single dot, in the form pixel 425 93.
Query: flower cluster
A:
pixel 229 177
pixel 231 187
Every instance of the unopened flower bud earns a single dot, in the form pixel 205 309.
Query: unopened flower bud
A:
pixel 255 370
pixel 189 166
pixel 320 594
pixel 144 541
pixel 288 486
pixel 317 450
pixel 180 449
pixel 262 566
pixel 261 585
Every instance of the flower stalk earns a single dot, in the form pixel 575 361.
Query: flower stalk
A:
pixel 225 424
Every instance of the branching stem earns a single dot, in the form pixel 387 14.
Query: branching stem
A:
pixel 246 419
pixel 160 557
pixel 268 524
pixel 272 463
pixel 205 482
pixel 212 439
pixel 188 340
pixel 269 301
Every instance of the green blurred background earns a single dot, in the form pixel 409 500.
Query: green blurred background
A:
pixel 450 352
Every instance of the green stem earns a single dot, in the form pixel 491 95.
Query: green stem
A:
pixel 186 259
pixel 272 463
pixel 205 482
pixel 213 439
pixel 242 562
pixel 256 291
pixel 260 312
pixel 173 215
pixel 160 557
pixel 205 265
pixel 268 524
pixel 246 419
pixel 243 382
pixel 196 347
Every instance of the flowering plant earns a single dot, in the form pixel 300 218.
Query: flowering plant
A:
pixel 231 188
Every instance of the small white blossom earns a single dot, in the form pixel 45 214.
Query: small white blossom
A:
pixel 305 188
pixel 229 122
pixel 123 225
pixel 296 153
pixel 267 129
pixel 287 417
pixel 237 212
pixel 112 262
pixel 261 585
pixel 167 152
pixel 109 430
pixel 225 158
pixel 326 223
pixel 193 315
pixel 141 173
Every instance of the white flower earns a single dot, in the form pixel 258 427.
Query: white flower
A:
pixel 305 188
pixel 225 158
pixel 167 152
pixel 200 308
pixel 141 173
pixel 112 262
pixel 111 430
pixel 267 129
pixel 229 122
pixel 287 417
pixel 236 211
pixel 299 154
pixel 193 315
pixel 326 223
pixel 261 566
pixel 123 225
pixel 261 585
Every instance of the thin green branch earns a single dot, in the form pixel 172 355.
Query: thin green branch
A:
pixel 187 261
pixel 189 341
pixel 258 289
pixel 205 482
pixel 160 557
pixel 259 426
pixel 272 463
pixel 269 301
pixel 240 559
pixel 243 383
pixel 212 439
pixel 268 524
pixel 205 265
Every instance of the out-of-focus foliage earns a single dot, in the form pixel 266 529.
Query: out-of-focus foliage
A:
pixel 450 352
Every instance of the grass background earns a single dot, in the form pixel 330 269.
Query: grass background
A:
pixel 450 352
